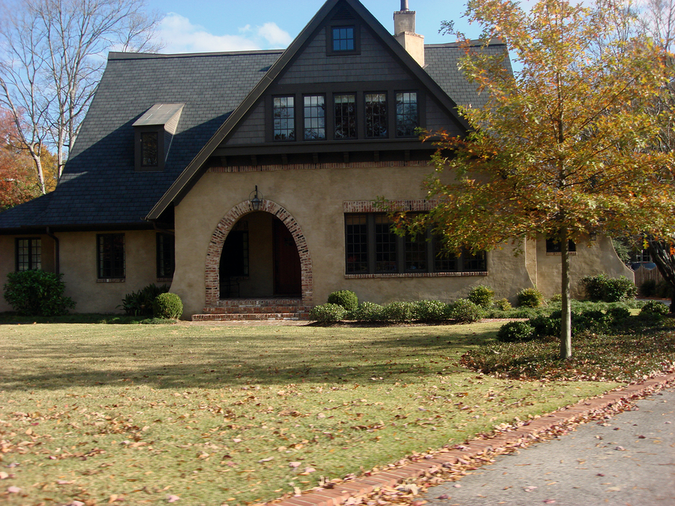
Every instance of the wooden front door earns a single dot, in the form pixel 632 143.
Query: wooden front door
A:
pixel 287 278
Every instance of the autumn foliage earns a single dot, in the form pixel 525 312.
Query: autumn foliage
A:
pixel 17 184
pixel 563 146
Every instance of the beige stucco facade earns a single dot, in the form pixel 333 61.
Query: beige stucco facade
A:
pixel 77 261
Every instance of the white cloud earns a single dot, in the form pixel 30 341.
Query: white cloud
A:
pixel 179 35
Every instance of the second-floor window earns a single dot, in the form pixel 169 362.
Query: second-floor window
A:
pixel 344 112
pixel 407 118
pixel 284 118
pixel 343 38
pixel 149 149
pixel 314 113
pixel 376 114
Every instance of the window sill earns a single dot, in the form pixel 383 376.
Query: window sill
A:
pixel 164 280
pixel 417 275
pixel 111 280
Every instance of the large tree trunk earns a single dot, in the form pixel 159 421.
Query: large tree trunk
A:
pixel 662 255
pixel 566 317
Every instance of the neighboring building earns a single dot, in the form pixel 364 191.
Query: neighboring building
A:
pixel 246 180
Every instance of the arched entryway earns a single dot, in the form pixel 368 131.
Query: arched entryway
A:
pixel 264 254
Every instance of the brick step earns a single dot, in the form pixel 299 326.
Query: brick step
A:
pixel 255 309
pixel 214 317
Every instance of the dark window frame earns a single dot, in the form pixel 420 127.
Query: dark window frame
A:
pixel 30 257
pixel 139 134
pixel 344 118
pixel 342 24
pixel 369 251
pixel 165 255
pixel 111 256
pixel 319 106
pixel 372 116
pixel 409 132
pixel 292 108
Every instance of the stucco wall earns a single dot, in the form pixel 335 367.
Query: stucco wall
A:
pixel 78 265
pixel 591 258
pixel 315 200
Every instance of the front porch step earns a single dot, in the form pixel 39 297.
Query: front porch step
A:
pixel 220 317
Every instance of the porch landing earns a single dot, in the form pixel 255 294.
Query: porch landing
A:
pixel 255 309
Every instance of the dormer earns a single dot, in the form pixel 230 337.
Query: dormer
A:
pixel 153 133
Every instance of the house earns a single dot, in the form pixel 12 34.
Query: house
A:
pixel 246 180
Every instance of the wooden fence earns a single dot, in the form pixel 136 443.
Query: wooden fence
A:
pixel 642 274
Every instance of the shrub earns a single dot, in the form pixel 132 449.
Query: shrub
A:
pixel 618 313
pixel 503 305
pixel 516 332
pixel 345 298
pixel 464 311
pixel 140 303
pixel 545 326
pixel 399 312
pixel 327 313
pixel 167 305
pixel 556 298
pixel 602 288
pixel 648 288
pixel 37 293
pixel 654 307
pixel 482 296
pixel 430 310
pixel 663 289
pixel 368 312
pixel 530 297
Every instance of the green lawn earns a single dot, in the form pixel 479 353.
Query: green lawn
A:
pixel 134 414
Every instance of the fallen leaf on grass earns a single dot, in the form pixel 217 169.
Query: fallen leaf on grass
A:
pixel 172 498
pixel 549 501
pixel 13 490
pixel 3 475
pixel 443 496
pixel 265 460
pixel 294 465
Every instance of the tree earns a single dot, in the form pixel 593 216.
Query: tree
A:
pixel 561 147
pixel 52 54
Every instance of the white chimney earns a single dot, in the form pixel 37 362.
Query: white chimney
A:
pixel 404 32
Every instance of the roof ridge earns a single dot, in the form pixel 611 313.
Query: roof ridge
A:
pixel 119 55
pixel 472 43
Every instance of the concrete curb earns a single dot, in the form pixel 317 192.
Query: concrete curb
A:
pixel 364 485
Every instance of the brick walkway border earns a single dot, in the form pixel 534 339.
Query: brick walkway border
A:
pixel 341 493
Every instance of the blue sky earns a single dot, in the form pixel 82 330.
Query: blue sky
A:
pixel 231 25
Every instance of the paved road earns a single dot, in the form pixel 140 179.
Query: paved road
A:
pixel 627 460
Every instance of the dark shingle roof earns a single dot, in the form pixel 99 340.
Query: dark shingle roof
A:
pixel 100 185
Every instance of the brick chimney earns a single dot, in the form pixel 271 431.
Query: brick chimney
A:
pixel 404 32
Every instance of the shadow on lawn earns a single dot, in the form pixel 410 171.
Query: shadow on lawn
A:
pixel 402 358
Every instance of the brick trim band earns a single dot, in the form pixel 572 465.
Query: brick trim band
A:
pixel 215 248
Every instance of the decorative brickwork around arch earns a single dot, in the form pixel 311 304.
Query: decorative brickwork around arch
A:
pixel 213 252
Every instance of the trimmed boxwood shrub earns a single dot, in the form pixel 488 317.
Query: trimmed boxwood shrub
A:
pixel 516 332
pixel 327 313
pixel 167 305
pixel 345 298
pixel 503 305
pixel 430 310
pixel 399 312
pixel 37 293
pixel 368 312
pixel 530 297
pixel 545 326
pixel 482 296
pixel 602 288
pixel 140 303
pixel 654 307
pixel 465 311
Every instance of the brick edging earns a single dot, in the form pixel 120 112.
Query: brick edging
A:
pixel 475 448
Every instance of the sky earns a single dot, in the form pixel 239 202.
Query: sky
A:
pixel 235 25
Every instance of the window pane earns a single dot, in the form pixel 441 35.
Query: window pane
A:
pixel 376 114
pixel 407 119
pixel 315 117
pixel 343 38
pixel 473 263
pixel 284 118
pixel 28 254
pixel 149 157
pixel 356 234
pixel 345 116
pixel 111 256
pixel 385 245
pixel 415 253
pixel 165 255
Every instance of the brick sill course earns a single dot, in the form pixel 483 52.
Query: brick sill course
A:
pixel 479 451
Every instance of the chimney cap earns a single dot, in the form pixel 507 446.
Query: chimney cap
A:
pixel 404 5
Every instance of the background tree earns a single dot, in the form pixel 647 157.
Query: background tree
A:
pixel 561 148
pixel 52 54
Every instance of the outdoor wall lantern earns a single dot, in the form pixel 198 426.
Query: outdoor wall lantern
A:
pixel 255 199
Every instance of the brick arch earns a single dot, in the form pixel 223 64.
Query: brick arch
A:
pixel 215 248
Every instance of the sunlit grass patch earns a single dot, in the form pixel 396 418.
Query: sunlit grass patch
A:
pixel 232 414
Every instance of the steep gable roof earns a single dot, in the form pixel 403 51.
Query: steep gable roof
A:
pixel 196 167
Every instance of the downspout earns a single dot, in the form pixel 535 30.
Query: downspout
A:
pixel 57 260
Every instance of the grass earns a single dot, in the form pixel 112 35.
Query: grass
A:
pixel 218 414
